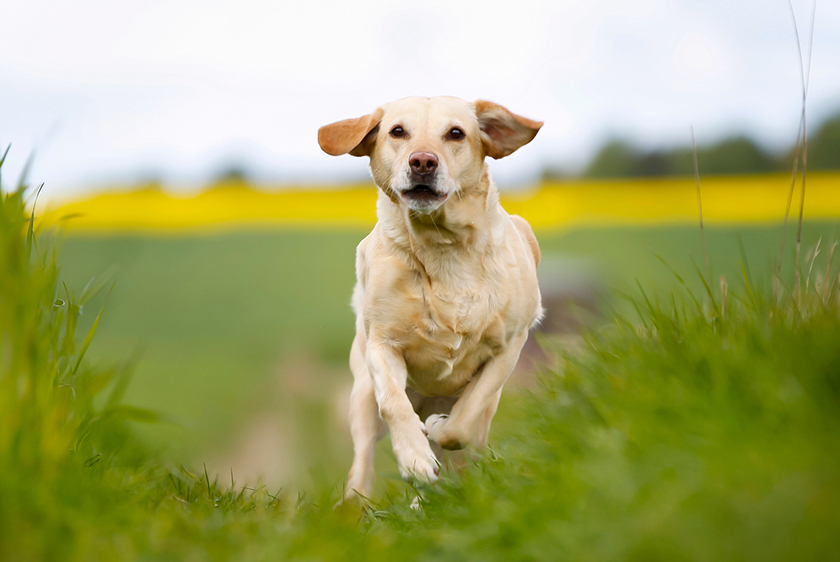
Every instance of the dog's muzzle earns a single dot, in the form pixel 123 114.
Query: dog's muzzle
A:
pixel 422 196
pixel 422 193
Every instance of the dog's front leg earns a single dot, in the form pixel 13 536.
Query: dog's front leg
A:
pixel 408 436
pixel 469 421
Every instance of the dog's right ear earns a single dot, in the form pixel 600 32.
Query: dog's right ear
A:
pixel 351 136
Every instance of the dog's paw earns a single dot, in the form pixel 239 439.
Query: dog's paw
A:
pixel 435 424
pixel 415 458
pixel 438 430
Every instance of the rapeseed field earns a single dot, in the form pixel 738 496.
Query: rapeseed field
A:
pixel 549 205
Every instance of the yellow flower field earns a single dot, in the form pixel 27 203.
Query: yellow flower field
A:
pixel 551 205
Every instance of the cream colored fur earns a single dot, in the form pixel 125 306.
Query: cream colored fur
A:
pixel 447 290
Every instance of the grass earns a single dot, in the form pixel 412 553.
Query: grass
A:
pixel 220 322
pixel 700 429
pixel 699 435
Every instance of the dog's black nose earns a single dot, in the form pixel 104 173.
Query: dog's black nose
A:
pixel 423 162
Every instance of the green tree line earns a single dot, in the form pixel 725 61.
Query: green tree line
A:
pixel 735 155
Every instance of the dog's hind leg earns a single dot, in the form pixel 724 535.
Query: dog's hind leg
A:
pixel 366 427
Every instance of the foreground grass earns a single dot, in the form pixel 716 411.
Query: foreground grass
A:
pixel 705 429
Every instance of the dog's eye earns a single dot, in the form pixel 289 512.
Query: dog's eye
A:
pixel 456 134
pixel 397 132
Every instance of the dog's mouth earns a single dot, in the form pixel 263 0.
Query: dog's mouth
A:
pixel 423 194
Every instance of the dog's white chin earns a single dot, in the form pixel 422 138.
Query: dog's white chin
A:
pixel 424 206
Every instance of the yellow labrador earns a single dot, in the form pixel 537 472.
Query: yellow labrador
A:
pixel 447 280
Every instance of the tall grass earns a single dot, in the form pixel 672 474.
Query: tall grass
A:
pixel 58 416
pixel 74 484
pixel 801 144
pixel 46 391
pixel 707 428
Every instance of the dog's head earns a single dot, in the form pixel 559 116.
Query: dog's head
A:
pixel 424 150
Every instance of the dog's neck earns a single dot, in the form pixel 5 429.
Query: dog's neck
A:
pixel 467 227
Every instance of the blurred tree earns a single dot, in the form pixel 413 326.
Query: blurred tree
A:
pixel 235 173
pixel 555 173
pixel 616 159
pixel 824 147
pixel 656 163
pixel 738 155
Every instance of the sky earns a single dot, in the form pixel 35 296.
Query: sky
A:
pixel 104 92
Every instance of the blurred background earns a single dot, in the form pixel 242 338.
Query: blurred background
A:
pixel 177 144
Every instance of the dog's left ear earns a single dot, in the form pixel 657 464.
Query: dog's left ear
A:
pixel 502 132
pixel 351 136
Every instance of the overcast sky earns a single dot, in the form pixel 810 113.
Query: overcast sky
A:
pixel 111 91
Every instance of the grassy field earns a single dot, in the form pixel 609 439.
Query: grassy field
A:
pixel 243 337
pixel 699 428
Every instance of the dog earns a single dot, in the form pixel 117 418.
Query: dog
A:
pixel 446 288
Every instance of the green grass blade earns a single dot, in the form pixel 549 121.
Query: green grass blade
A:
pixel 91 332
pixel 133 413
pixel 705 283
pixel 94 285
pixel 122 379
pixel 635 304
pixel 30 232
pixel 745 273
pixel 649 304
pixel 681 281
pixel 3 159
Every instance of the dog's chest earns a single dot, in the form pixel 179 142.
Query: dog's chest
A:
pixel 455 330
